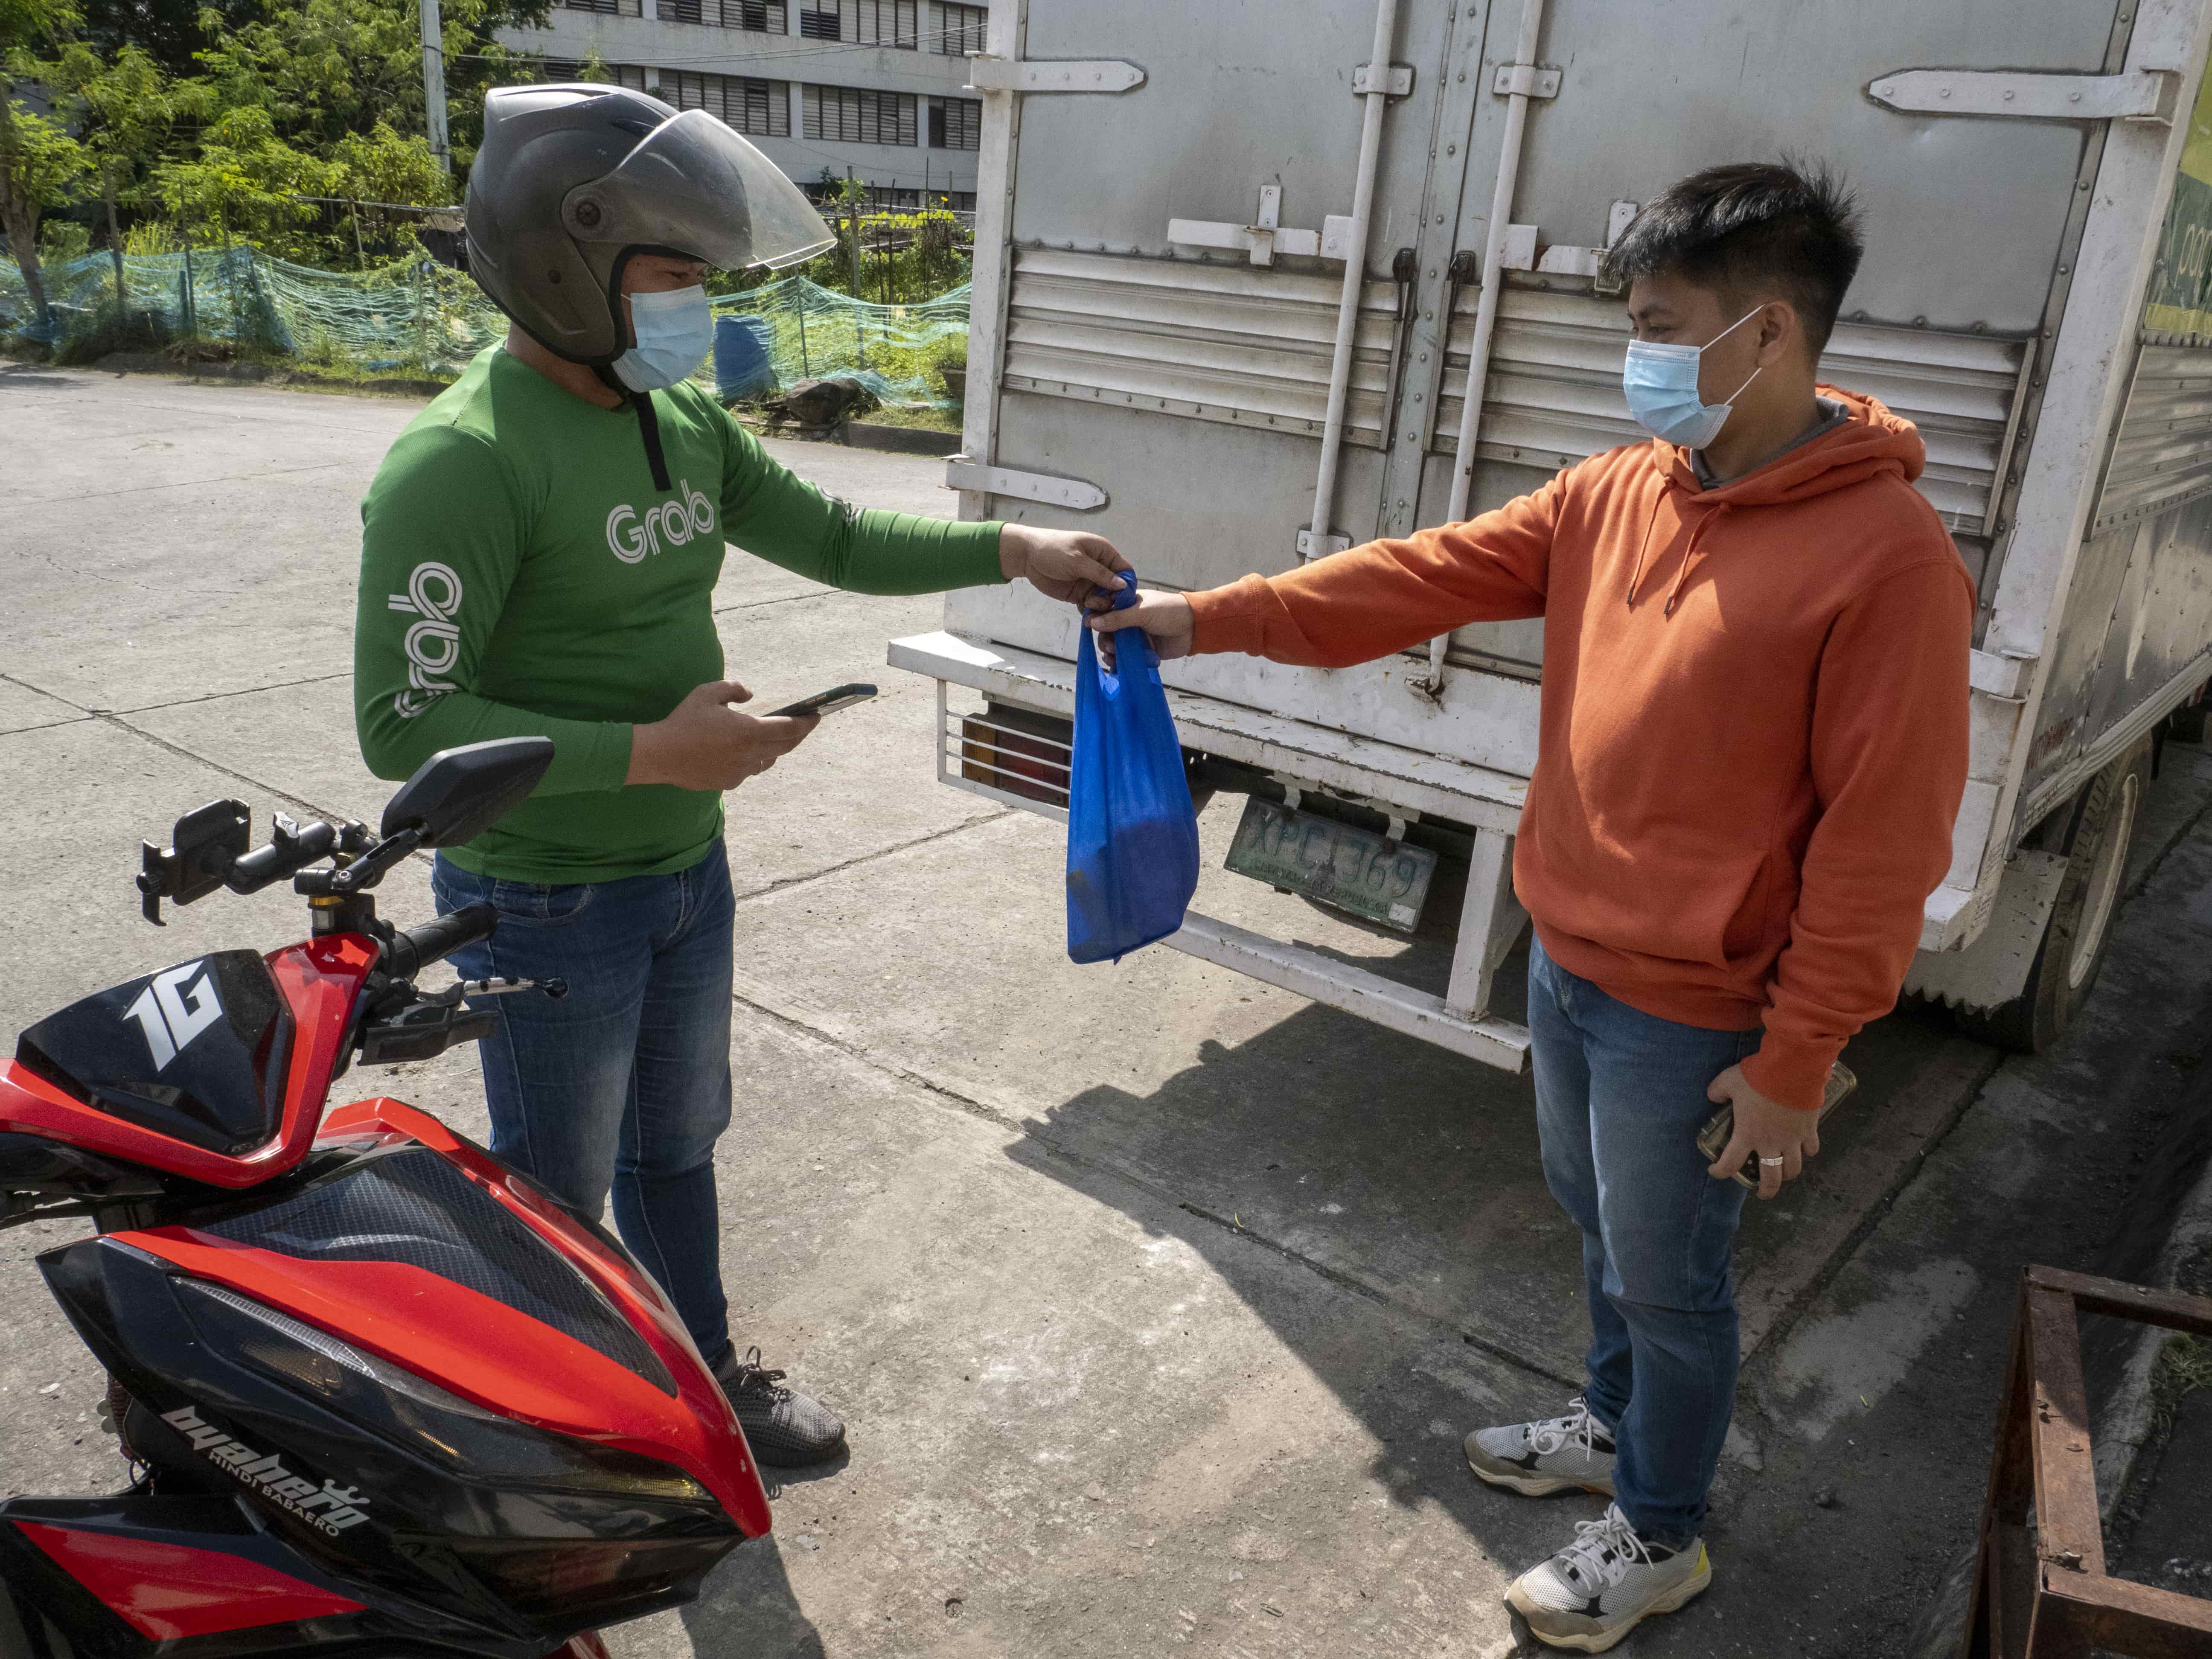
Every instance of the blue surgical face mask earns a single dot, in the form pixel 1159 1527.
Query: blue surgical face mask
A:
pixel 1661 384
pixel 675 331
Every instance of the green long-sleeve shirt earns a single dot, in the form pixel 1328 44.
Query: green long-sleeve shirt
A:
pixel 521 575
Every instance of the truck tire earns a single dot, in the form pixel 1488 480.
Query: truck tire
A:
pixel 2097 827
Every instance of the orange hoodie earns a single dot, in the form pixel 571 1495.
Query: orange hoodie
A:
pixel 1753 735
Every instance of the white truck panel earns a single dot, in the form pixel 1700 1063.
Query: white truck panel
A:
pixel 1159 318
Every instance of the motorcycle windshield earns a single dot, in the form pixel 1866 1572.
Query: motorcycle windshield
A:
pixel 696 188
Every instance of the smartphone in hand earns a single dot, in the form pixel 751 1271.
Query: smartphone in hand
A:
pixel 826 703
pixel 1713 1138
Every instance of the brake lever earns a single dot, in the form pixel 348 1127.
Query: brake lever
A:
pixel 461 989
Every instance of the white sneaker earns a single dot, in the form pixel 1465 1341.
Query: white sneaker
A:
pixel 1562 1454
pixel 1600 1587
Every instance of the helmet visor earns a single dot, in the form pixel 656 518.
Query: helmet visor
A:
pixel 696 186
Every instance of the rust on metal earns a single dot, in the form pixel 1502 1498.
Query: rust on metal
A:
pixel 2040 1589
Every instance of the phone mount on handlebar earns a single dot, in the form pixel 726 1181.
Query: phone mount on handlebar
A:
pixel 203 846
pixel 454 797
pixel 209 849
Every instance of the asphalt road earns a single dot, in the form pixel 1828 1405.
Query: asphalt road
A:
pixel 1158 1299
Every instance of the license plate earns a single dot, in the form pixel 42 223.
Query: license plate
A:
pixel 1353 869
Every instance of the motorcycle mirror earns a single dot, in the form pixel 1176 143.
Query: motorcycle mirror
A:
pixel 458 793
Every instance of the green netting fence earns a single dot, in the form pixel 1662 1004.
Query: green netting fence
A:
pixel 896 351
pixel 423 318
pixel 417 316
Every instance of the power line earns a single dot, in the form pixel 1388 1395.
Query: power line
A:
pixel 825 50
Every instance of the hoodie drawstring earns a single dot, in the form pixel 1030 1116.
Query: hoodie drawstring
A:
pixel 1689 556
pixel 1636 574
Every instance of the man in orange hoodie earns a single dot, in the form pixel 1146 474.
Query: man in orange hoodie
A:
pixel 1752 745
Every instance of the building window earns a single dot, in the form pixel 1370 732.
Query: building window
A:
pixel 853 116
pixel 761 108
pixel 762 16
pixel 610 8
pixel 956 123
pixel 960 29
pixel 864 22
pixel 613 75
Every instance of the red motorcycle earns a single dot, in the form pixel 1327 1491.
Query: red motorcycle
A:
pixel 385 1396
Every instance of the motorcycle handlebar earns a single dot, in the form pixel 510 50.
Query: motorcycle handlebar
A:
pixel 414 949
pixel 291 850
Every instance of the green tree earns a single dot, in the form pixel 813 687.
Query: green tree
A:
pixel 246 181
pixel 125 110
pixel 39 163
pixel 40 167
pixel 171 32
pixel 327 68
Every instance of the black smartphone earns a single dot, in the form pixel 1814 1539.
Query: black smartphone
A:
pixel 827 703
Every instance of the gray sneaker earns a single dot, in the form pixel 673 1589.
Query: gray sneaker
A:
pixel 783 1427
pixel 1562 1454
pixel 1600 1587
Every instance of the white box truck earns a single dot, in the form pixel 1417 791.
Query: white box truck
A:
pixel 1237 265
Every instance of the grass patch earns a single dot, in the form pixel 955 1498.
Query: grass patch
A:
pixel 2185 1365
pixel 925 419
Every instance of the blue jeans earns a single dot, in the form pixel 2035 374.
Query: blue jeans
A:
pixel 1621 1097
pixel 624 1082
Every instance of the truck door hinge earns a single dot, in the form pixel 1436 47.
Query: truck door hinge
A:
pixel 2000 673
pixel 1267 236
pixel 988 74
pixel 1526 80
pixel 962 472
pixel 2144 95
pixel 1397 81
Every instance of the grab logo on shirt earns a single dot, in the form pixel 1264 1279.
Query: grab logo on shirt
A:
pixel 633 537
pixel 434 644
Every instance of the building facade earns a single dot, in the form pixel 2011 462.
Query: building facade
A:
pixel 874 88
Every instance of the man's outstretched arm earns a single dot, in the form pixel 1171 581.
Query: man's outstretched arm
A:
pixel 1354 606
pixel 769 511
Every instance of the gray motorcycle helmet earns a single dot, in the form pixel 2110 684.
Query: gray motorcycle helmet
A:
pixel 572 178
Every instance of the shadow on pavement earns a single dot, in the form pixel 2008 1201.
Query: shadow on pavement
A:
pixel 748 1610
pixel 1411 1176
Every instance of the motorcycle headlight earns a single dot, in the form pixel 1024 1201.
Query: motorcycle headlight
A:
pixel 396 1403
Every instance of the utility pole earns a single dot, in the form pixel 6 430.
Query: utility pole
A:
pixel 853 200
pixel 434 83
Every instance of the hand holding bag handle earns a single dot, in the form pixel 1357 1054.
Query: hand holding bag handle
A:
pixel 1132 831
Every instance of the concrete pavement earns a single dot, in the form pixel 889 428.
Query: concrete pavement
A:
pixel 1159 1299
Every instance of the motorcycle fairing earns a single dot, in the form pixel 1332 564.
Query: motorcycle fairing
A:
pixel 318 981
pixel 249 1593
pixel 664 1405
pixel 168 1590
pixel 143 1577
pixel 499 1537
pixel 196 1052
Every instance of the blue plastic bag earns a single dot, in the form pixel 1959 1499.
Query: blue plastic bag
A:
pixel 1132 833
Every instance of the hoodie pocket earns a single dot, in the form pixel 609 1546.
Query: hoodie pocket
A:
pixel 1704 905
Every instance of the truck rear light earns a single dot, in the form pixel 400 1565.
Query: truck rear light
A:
pixel 1012 752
